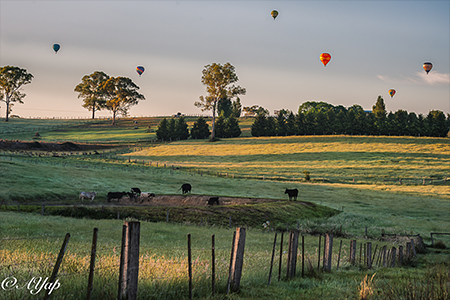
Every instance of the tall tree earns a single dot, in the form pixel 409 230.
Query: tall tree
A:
pixel 200 129
pixel 90 90
pixel 162 133
pixel 379 111
pixel 236 108
pixel 181 129
pixel 11 81
pixel 121 93
pixel 219 80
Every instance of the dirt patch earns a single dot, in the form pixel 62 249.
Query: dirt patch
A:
pixel 194 200
pixel 15 145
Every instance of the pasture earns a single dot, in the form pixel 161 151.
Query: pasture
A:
pixel 356 176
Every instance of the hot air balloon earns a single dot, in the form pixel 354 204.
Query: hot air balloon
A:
pixel 325 58
pixel 274 14
pixel 427 66
pixel 392 92
pixel 56 48
pixel 140 70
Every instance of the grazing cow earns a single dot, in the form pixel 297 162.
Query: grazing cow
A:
pixel 147 195
pixel 136 191
pixel 185 188
pixel 115 195
pixel 292 193
pixel 213 200
pixel 88 195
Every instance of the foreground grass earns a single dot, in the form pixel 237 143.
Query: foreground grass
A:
pixel 30 243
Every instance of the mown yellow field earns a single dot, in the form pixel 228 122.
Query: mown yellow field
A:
pixel 378 162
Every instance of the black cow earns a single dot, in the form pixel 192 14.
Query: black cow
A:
pixel 213 200
pixel 136 191
pixel 185 188
pixel 115 195
pixel 292 193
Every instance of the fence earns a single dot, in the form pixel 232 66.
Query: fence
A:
pixel 108 274
pixel 146 165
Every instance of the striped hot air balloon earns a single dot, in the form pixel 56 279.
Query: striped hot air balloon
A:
pixel 140 70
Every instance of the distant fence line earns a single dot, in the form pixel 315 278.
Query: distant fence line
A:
pixel 142 164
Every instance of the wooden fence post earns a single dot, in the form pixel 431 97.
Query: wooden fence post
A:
pixel 318 254
pixel 369 255
pixel 190 266
pixel 281 256
pixel 130 261
pixel 339 255
pixel 237 259
pixel 213 266
pixel 231 261
pixel 393 254
pixel 92 264
pixel 59 259
pixel 384 256
pixel 303 255
pixel 292 253
pixel 352 252
pixel 273 256
pixel 328 252
pixel 400 255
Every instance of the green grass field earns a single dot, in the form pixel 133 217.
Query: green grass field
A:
pixel 356 176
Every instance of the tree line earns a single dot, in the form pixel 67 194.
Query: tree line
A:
pixel 176 128
pixel 321 118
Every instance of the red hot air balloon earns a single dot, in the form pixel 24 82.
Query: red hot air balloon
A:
pixel 392 92
pixel 140 70
pixel 427 66
pixel 325 58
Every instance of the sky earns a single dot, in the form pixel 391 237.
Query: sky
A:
pixel 375 46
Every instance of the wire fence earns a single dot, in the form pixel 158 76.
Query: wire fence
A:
pixel 27 264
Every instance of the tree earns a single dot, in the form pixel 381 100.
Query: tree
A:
pixel 120 94
pixel 90 90
pixel 232 128
pixel 11 81
pixel 219 81
pixel 259 125
pixel 236 108
pixel 379 111
pixel 200 129
pixel 437 124
pixel 162 133
pixel 181 129
pixel 220 126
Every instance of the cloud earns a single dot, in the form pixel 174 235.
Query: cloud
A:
pixel 433 78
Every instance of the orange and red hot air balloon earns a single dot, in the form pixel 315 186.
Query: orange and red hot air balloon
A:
pixel 274 14
pixel 325 58
pixel 427 66
pixel 392 92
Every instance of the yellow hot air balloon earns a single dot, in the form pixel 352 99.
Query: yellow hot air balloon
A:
pixel 274 14
pixel 427 66
pixel 325 58
pixel 392 92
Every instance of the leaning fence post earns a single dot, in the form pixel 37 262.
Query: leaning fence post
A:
pixel 400 255
pixel 339 255
pixel 52 281
pixel 130 261
pixel 393 254
pixel 303 255
pixel 369 255
pixel 352 252
pixel 328 252
pixel 231 260
pixel 273 256
pixel 238 259
pixel 92 265
pixel 292 256
pixel 281 256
